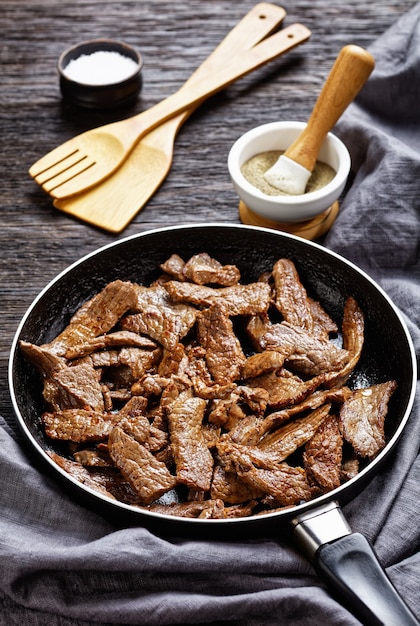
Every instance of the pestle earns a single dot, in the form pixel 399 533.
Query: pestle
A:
pixel 349 73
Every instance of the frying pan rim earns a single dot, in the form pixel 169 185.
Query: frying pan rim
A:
pixel 293 511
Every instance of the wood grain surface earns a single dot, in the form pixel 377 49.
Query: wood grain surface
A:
pixel 36 240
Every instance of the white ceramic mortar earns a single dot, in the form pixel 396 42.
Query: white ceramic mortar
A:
pixel 282 208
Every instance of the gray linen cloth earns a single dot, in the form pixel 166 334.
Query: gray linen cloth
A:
pixel 64 565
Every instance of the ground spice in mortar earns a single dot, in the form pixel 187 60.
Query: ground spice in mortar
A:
pixel 253 170
pixel 103 67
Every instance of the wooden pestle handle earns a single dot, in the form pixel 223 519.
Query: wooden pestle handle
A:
pixel 349 73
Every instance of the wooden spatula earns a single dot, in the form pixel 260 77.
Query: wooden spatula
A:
pixel 87 159
pixel 112 204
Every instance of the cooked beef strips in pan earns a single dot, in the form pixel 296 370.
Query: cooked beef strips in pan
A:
pixel 198 396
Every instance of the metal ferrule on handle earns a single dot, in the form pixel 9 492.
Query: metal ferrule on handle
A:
pixel 349 565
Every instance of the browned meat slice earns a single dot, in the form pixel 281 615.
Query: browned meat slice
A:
pixel 290 295
pixel 286 484
pixel 256 398
pixel 79 425
pixel 117 339
pixel 80 473
pixel 149 477
pixel 137 405
pixel 311 355
pixel 240 510
pixel 363 415
pixel 158 318
pixel 256 328
pixel 172 361
pixel 202 269
pixel 353 328
pixel 313 401
pixel 323 454
pixel 248 299
pixel 135 422
pixel 140 429
pixel 174 266
pixel 202 382
pixel 262 363
pixel 282 442
pixel 247 430
pixel 284 388
pixel 224 355
pixel 64 386
pixel 43 359
pixel 323 324
pixel 193 461
pixel 96 317
pixel 204 509
pixel 73 387
pixel 127 365
pixel 229 488
pixel 137 426
pixel 226 412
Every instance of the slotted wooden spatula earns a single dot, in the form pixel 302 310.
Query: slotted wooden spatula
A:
pixel 89 158
pixel 112 204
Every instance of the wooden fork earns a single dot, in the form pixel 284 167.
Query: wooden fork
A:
pixel 84 161
pixel 112 204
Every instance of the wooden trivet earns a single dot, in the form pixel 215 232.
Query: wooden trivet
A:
pixel 311 229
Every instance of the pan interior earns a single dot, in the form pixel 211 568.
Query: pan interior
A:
pixel 387 351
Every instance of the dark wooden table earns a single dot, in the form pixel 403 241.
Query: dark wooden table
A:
pixel 38 241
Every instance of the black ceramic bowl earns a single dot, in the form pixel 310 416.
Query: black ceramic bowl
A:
pixel 82 87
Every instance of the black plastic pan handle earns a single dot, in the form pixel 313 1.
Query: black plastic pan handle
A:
pixel 347 563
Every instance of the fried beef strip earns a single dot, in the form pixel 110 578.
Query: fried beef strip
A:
pixel 353 327
pixel 287 485
pixel 127 365
pixel 313 401
pixel 65 387
pixel 323 454
pixel 117 339
pixel 262 363
pixel 193 461
pixel 156 317
pixel 224 355
pixel 310 355
pixel 288 438
pixel 205 509
pixel 248 299
pixel 362 418
pixel 80 473
pixel 96 317
pixel 227 486
pixel 79 425
pixel 285 388
pixel 290 295
pixel 173 266
pixel 323 324
pixel 202 269
pixel 135 422
pixel 149 477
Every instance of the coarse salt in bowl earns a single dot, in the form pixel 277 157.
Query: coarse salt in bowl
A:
pixel 101 73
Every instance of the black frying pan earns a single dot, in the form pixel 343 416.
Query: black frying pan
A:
pixel 343 558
